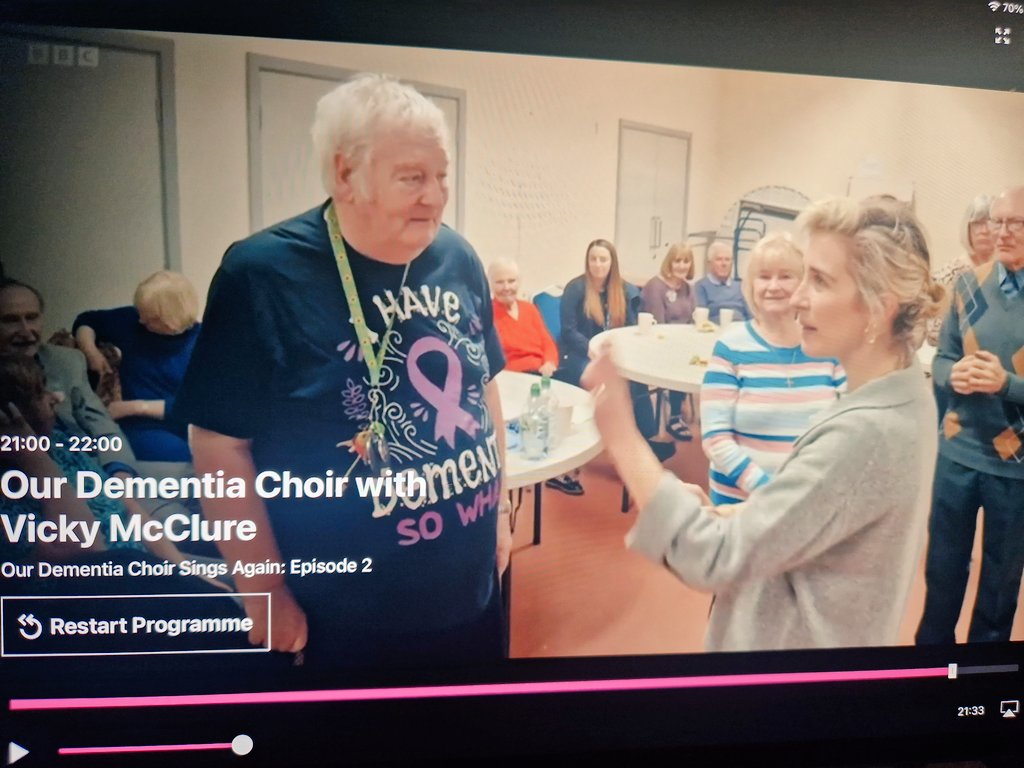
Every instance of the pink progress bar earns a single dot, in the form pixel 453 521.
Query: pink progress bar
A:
pixel 487 689
pixel 143 748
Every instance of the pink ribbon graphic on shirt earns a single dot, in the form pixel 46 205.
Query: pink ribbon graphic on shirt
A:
pixel 450 415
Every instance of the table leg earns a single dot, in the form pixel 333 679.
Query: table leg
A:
pixel 506 605
pixel 537 487
pixel 515 505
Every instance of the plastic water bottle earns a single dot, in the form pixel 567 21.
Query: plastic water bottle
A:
pixel 535 426
pixel 550 402
pixel 512 435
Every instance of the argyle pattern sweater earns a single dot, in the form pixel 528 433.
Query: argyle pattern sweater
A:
pixel 981 431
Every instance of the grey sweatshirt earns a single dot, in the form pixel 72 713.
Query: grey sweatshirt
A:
pixel 823 555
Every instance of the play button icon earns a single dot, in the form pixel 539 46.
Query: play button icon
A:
pixel 15 752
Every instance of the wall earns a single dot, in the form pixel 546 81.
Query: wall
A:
pixel 541 145
pixel 542 139
pixel 814 133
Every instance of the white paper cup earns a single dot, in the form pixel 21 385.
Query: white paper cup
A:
pixel 645 321
pixel 561 424
pixel 725 317
pixel 700 315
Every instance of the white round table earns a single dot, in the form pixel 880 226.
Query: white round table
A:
pixel 514 388
pixel 661 357
pixel 576 448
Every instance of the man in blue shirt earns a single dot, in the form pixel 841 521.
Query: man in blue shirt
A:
pixel 718 289
pixel 361 328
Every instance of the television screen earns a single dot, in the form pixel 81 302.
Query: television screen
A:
pixel 468 381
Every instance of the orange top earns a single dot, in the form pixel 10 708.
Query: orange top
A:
pixel 526 342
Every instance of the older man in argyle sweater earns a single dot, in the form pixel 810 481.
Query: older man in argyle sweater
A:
pixel 980 365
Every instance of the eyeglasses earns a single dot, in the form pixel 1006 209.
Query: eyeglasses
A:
pixel 1015 225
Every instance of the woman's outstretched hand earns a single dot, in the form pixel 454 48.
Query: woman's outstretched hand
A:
pixel 613 406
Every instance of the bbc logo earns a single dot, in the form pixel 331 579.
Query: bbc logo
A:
pixel 42 54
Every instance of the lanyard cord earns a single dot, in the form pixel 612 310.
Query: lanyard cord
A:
pixel 348 285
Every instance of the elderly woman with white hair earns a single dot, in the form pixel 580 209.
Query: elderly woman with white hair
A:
pixel 155 336
pixel 525 339
pixel 357 340
pixel 823 555
pixel 761 390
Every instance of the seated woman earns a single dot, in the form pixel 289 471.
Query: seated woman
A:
pixel 824 555
pixel 30 410
pixel 524 338
pixel 761 390
pixel 156 337
pixel 595 301
pixel 671 299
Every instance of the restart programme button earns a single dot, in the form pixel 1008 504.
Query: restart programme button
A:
pixel 100 625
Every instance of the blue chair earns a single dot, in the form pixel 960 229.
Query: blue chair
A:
pixel 549 304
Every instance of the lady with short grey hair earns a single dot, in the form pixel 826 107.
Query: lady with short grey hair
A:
pixel 979 246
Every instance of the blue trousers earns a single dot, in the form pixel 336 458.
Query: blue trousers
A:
pixel 957 493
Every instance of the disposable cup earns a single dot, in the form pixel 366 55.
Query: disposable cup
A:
pixel 561 424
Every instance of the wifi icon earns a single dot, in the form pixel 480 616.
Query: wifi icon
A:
pixel 994 5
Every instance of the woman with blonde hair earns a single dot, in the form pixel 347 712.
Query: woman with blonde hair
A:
pixel 761 390
pixel 670 298
pixel 668 295
pixel 825 553
pixel 156 337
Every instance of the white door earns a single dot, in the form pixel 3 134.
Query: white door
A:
pixel 636 223
pixel 671 184
pixel 651 197
pixel 81 176
pixel 286 179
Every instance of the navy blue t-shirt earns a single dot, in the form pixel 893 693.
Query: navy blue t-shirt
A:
pixel 278 362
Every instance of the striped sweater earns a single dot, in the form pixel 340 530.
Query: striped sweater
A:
pixel 756 400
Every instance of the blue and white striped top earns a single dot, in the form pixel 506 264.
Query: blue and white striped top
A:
pixel 756 400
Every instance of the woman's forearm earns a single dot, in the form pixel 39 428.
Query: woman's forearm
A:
pixel 150 409
pixel 636 464
pixel 86 338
